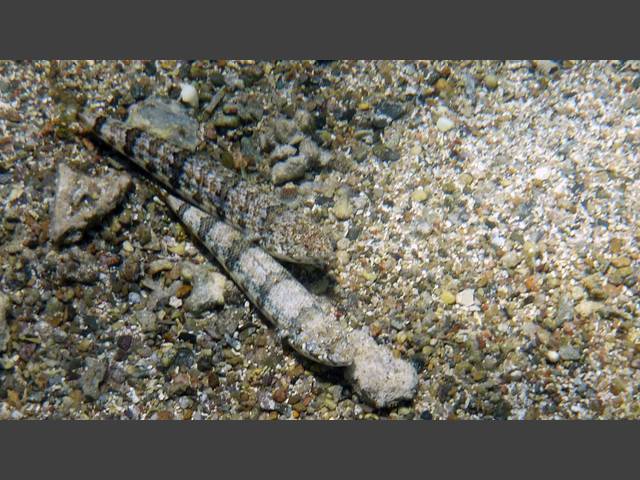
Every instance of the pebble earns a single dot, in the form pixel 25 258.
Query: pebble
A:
pixel 282 152
pixel 293 168
pixel 4 327
pixel 565 311
pixel 166 119
pixel 419 195
pixel 147 320
pixel 343 209
pixel 567 352
pixel 588 307
pixel 444 124
pixel 465 297
pixel 189 95
pixel 7 112
pixel 159 266
pixel 620 262
pixel 226 121
pixel 491 81
pixel 175 302
pixel 393 110
pixel 207 293
pixel 93 377
pixel 542 173
pixel 546 67
pixel 553 356
pixel 81 201
pixel 134 298
pixel 447 297
pixel 511 260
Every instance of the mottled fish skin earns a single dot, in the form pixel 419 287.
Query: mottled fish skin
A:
pixel 217 190
pixel 297 315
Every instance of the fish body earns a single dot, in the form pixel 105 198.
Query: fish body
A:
pixel 221 208
pixel 207 184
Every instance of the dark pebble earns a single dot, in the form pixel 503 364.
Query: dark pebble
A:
pixel 124 342
pixel 345 115
pixel 131 269
pixel 418 362
pixel 636 82
pixel 380 122
pixel 426 415
pixel 150 68
pixel 184 358
pixel 386 154
pixel 188 337
pixel 393 110
pixel 322 200
pixel 139 91
pixel 213 380
pixel 354 232
pixel 204 364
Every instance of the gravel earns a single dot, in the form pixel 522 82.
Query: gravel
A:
pixel 529 200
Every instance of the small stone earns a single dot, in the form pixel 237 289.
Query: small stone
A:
pixel 147 320
pixel 7 112
pixel 594 285
pixel 393 110
pixel 292 168
pixel 587 307
pixel 159 266
pixel 546 67
pixel 616 245
pixel 447 297
pixel 386 154
pixel 419 195
pixel 444 124
pixel 515 376
pixel 465 297
pixel 93 377
pixel 490 81
pixel 4 327
pixel 189 95
pixel 542 173
pixel 279 395
pixel 213 380
pixel 567 352
pixel 207 293
pixel 282 152
pixel 179 248
pixel 310 150
pixel 226 121
pixel 511 260
pixel 81 201
pixel 343 209
pixel 565 311
pixel 165 119
pixel 620 262
pixel 553 356
pixel 134 298
pixel 305 121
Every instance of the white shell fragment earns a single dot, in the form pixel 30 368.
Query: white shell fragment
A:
pixel 189 95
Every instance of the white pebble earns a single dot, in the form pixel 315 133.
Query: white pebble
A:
pixel 189 95
pixel 542 173
pixel 444 124
pixel 465 298
pixel 175 302
pixel 553 356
